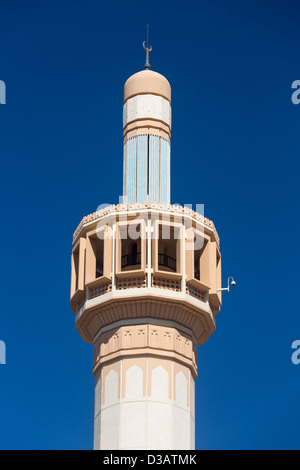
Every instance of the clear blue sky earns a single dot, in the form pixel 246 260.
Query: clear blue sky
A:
pixel 235 148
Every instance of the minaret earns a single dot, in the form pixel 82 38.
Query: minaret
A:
pixel 145 287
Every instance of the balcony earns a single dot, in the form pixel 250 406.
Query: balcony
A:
pixel 166 261
pixel 131 259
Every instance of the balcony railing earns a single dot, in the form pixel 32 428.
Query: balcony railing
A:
pixel 131 259
pixel 167 261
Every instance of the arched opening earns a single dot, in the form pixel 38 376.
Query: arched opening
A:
pixel 131 253
pixel 168 249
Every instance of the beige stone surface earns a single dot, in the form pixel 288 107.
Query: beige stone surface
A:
pixel 147 81
pixel 150 338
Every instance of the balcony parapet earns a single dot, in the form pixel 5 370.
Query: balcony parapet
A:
pixel 120 208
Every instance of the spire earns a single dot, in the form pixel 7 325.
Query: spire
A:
pixel 148 49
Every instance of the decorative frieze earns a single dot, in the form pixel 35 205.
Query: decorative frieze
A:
pixel 143 339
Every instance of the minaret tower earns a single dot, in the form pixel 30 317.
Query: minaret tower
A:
pixel 145 287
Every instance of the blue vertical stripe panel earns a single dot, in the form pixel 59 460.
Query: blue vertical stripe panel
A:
pixel 154 168
pixel 131 169
pixel 142 164
pixel 164 171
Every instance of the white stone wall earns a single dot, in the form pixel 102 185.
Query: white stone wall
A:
pixel 144 403
pixel 147 107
